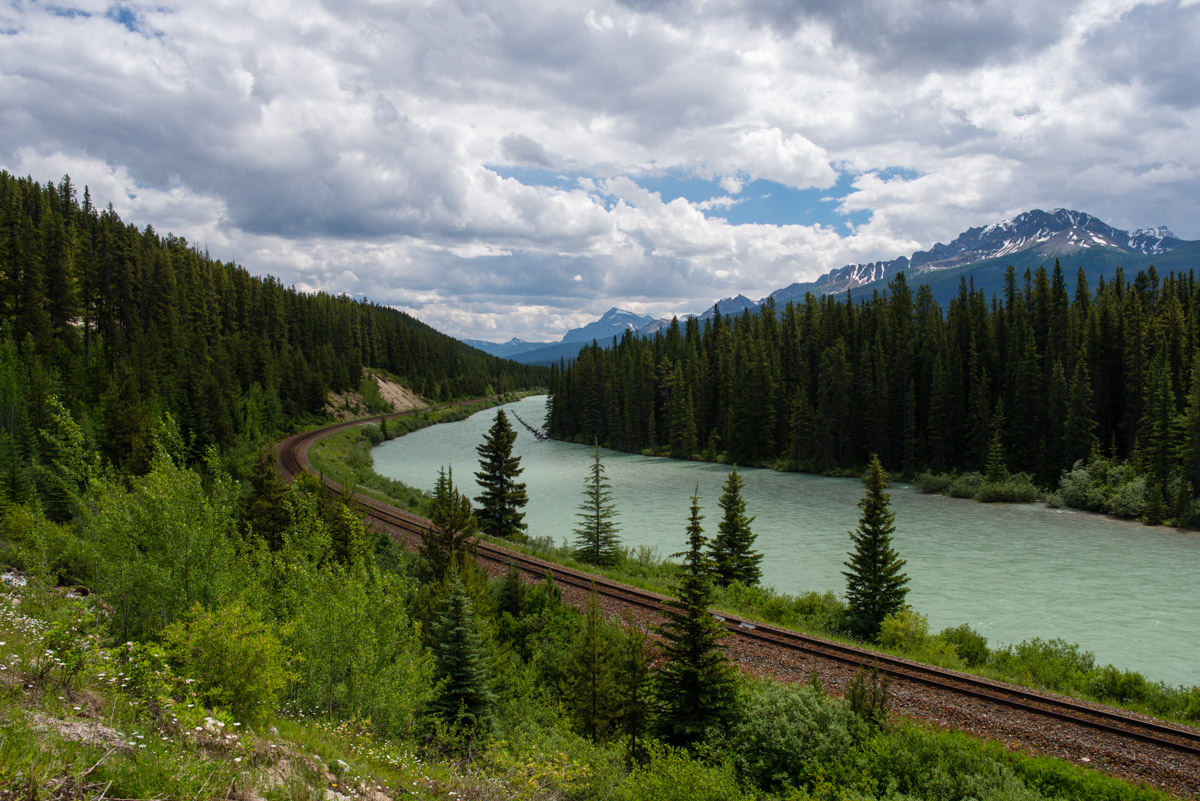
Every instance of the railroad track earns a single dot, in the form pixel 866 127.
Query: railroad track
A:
pixel 293 458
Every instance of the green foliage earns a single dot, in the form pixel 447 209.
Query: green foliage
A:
pixel 238 662
pixel 867 695
pixel 163 546
pixel 592 685
pixel 674 775
pixel 502 496
pixel 969 645
pixel 905 630
pixel 875 585
pixel 695 682
pixel 1104 485
pixel 465 696
pixel 451 536
pixel 732 550
pixel 596 539
pixel 785 734
pixel 1045 663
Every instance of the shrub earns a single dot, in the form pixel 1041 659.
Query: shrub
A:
pixel 933 482
pixel 965 486
pixel 784 733
pixel 1052 664
pixel 1128 499
pixel 674 775
pixel 237 660
pixel 970 645
pixel 1016 488
pixel 867 694
pixel 906 630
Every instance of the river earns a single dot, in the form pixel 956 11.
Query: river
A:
pixel 1127 592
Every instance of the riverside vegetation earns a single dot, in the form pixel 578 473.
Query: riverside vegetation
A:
pixel 178 623
pixel 1094 397
pixel 259 639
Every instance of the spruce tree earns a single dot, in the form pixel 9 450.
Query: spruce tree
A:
pixel 694 685
pixel 875 585
pixel 593 697
pixel 454 526
pixel 732 551
pixel 596 540
pixel 633 684
pixel 503 496
pixel 466 696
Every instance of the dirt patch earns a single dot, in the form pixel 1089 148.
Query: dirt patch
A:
pixel 401 398
pixel 351 406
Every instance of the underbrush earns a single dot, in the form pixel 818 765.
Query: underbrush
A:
pixel 1013 488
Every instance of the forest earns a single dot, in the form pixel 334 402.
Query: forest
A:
pixel 1092 394
pixel 122 325
pixel 176 622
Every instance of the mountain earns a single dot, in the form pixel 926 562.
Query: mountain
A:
pixel 613 322
pixel 1027 240
pixel 505 350
pixel 981 254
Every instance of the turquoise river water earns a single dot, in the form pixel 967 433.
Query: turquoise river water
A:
pixel 1127 592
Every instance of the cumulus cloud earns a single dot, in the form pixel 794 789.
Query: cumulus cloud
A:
pixel 385 150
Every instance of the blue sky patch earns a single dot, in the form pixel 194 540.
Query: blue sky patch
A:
pixel 762 202
pixel 124 16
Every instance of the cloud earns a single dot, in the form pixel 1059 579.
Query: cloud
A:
pixel 361 147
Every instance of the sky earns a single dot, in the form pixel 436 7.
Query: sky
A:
pixel 515 168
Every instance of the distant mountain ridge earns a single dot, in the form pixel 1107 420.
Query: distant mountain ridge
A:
pixel 1025 241
pixel 1044 234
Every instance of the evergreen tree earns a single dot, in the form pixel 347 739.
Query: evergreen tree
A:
pixel 732 551
pixel 593 684
pixel 694 685
pixel 503 496
pixel 466 697
pixel 633 680
pixel 454 526
pixel 875 585
pixel 596 540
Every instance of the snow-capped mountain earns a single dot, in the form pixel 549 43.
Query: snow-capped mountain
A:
pixel 1032 238
pixel 613 322
pixel 1043 234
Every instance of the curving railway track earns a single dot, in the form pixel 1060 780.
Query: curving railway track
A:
pixel 1123 743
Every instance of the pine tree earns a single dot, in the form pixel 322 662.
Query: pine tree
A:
pixel 732 552
pixel 503 496
pixel 596 540
pixel 466 697
pixel 875 585
pixel 593 684
pixel 454 526
pixel 633 681
pixel 694 686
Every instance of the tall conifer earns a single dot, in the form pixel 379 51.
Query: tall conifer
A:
pixel 695 684
pixel 596 540
pixel 732 552
pixel 875 585
pixel 503 497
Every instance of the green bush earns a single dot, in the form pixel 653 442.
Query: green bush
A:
pixel 933 482
pixel 965 486
pixel 1015 488
pixel 785 733
pixel 675 775
pixel 970 645
pixel 237 660
pixel 1052 664
pixel 906 630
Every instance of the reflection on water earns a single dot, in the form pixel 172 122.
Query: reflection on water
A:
pixel 1128 593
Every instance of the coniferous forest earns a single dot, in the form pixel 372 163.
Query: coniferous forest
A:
pixel 1046 380
pixel 122 324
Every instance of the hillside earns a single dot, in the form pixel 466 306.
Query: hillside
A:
pixel 122 324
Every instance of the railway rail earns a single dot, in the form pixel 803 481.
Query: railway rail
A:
pixel 1124 727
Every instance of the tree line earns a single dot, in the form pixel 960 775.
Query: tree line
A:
pixel 122 325
pixel 1037 378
